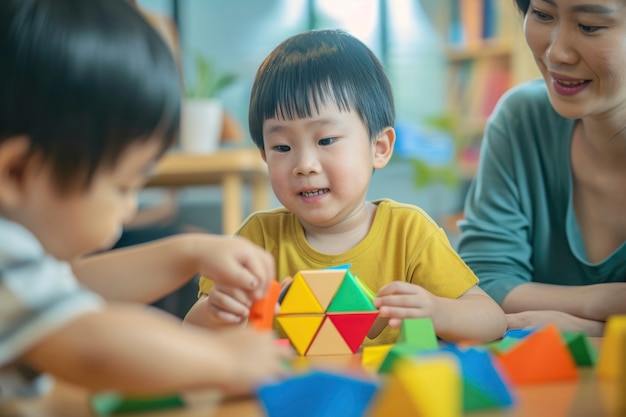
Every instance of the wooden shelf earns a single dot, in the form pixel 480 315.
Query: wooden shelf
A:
pixel 488 48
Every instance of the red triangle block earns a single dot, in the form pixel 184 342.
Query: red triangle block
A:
pixel 353 326
pixel 542 356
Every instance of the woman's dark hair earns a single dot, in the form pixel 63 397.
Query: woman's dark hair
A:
pixel 83 80
pixel 311 68
pixel 522 5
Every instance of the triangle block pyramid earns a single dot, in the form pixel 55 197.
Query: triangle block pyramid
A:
pixel 342 309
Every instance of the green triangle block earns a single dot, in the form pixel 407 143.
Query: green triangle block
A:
pixel 350 297
pixel 500 346
pixel 395 353
pixel 475 399
pixel 366 290
pixel 419 333
pixel 584 353
pixel 110 403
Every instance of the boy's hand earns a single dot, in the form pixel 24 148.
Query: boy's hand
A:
pixel 229 305
pixel 237 262
pixel 400 300
pixel 256 358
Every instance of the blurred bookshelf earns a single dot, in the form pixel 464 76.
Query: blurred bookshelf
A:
pixel 486 55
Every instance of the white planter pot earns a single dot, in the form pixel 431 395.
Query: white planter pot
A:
pixel 201 125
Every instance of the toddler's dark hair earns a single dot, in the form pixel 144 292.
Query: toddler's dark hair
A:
pixel 84 79
pixel 310 69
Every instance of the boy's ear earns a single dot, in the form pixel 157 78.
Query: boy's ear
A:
pixel 13 165
pixel 262 152
pixel 383 147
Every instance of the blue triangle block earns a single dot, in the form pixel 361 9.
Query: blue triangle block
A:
pixel 483 386
pixel 518 333
pixel 317 394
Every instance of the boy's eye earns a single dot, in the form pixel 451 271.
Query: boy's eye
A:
pixel 541 15
pixel 327 141
pixel 281 148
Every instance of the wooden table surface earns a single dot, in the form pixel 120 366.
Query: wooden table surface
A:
pixel 230 168
pixel 586 397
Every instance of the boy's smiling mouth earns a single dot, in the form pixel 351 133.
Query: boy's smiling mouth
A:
pixel 314 193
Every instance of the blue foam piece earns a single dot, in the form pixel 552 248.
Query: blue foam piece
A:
pixel 518 333
pixel 317 394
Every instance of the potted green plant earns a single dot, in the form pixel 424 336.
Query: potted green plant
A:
pixel 202 111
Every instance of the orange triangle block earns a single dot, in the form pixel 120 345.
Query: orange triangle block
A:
pixel 353 326
pixel 299 299
pixel 300 329
pixel 542 356
pixel 328 341
pixel 323 283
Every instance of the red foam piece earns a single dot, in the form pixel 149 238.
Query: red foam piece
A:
pixel 353 327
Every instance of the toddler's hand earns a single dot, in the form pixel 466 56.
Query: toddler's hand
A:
pixel 229 305
pixel 400 300
pixel 256 358
pixel 237 262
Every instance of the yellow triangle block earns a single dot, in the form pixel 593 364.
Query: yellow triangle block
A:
pixel 300 329
pixel 299 299
pixel 612 360
pixel 373 356
pixel 324 283
pixel 426 387
pixel 328 341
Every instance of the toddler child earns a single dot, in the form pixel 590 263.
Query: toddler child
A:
pixel 322 115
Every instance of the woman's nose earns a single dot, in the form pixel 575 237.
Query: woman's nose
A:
pixel 561 49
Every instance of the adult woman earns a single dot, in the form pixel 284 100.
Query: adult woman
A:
pixel 545 226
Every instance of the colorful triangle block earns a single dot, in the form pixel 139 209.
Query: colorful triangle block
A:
pixel 324 284
pixel 299 299
pixel 483 384
pixel 353 327
pixel 350 297
pixel 424 387
pixel 328 341
pixel 612 360
pixel 317 394
pixel 540 357
pixel 418 332
pixel 261 314
pixel 300 329
pixel 584 353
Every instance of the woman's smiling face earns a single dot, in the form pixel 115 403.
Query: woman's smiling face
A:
pixel 580 48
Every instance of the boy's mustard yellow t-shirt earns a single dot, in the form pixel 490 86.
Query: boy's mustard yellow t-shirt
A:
pixel 403 244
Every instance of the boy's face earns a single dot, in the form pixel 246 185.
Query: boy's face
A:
pixel 320 167
pixel 87 220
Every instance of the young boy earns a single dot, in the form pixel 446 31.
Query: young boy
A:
pixel 89 100
pixel 322 115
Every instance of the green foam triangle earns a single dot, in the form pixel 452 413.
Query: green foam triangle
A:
pixel 350 297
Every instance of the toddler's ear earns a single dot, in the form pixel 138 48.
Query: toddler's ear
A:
pixel 13 163
pixel 383 147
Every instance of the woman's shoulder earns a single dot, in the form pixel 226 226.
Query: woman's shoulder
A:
pixel 531 95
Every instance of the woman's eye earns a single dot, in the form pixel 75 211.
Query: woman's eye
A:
pixel 327 141
pixel 281 148
pixel 589 29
